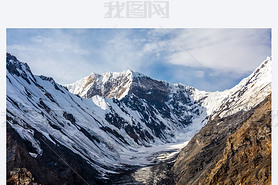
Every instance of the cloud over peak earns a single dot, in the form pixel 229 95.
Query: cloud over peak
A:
pixel 174 55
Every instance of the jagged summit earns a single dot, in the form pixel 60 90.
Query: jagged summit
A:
pixel 112 74
pixel 246 94
pixel 19 68
pixel 110 84
pixel 127 72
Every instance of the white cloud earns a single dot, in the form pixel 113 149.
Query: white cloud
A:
pixel 60 42
pixel 56 54
pixel 67 56
pixel 237 50
pixel 184 58
pixel 155 46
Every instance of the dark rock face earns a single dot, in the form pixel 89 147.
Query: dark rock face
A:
pixel 160 95
pixel 146 96
pixel 54 166
pixel 151 97
pixel 232 150
pixel 16 68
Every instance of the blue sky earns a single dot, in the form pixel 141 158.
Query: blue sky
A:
pixel 208 59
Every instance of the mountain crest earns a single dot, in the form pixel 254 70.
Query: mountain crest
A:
pixel 110 84
pixel 19 68
pixel 242 97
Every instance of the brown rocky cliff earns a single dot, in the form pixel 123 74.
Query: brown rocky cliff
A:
pixel 231 150
pixel 247 156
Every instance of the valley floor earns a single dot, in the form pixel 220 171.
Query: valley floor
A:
pixel 152 174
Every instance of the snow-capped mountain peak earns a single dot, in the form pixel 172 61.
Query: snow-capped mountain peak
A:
pixel 111 84
pixel 245 95
pixel 19 68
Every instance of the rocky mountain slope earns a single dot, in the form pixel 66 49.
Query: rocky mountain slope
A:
pixel 115 122
pixel 247 153
pixel 231 150
pixel 234 147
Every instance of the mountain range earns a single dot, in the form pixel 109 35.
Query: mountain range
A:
pixel 105 125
